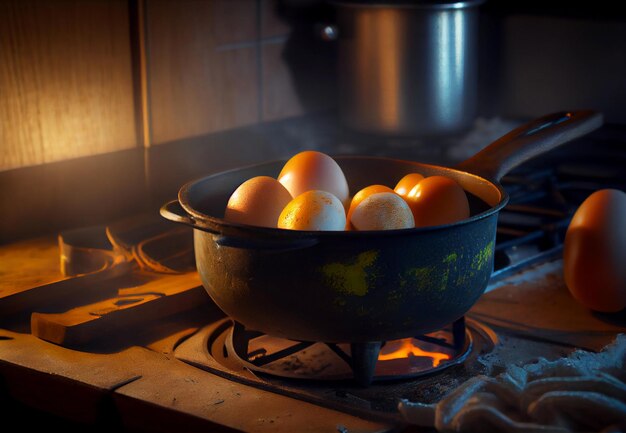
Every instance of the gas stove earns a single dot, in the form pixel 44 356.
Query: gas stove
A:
pixel 127 338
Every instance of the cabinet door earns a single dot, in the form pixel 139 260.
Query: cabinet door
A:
pixel 202 66
pixel 66 81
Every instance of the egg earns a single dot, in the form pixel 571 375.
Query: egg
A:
pixel 594 252
pixel 362 195
pixel 313 210
pixel 407 183
pixel 312 170
pixel 257 201
pixel 382 211
pixel 437 200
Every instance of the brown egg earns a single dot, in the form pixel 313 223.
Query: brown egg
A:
pixel 258 201
pixel 437 200
pixel 594 252
pixel 312 170
pixel 407 183
pixel 362 195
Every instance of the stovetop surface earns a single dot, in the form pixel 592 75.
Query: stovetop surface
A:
pixel 135 356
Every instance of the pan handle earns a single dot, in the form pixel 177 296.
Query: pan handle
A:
pixel 173 211
pixel 530 140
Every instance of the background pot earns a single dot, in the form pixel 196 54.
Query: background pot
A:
pixel 408 68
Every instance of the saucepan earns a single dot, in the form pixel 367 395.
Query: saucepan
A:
pixel 361 286
pixel 407 67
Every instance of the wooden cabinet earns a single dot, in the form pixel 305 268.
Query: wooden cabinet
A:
pixel 89 88
pixel 66 82
pixel 86 77
pixel 201 67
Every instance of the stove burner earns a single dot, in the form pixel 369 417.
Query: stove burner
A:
pixel 362 363
pixel 208 349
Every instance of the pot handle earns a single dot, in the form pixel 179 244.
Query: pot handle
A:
pixel 173 211
pixel 530 140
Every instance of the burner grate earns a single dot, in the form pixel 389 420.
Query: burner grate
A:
pixel 378 401
pixel 543 198
pixel 361 362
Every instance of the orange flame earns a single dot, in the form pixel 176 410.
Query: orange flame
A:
pixel 407 348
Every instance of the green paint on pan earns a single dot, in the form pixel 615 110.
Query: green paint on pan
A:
pixel 448 261
pixel 422 278
pixel 463 278
pixel 482 257
pixel 450 258
pixel 351 278
pixel 444 280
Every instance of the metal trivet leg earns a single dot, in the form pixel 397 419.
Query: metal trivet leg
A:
pixel 362 363
pixel 459 330
pixel 241 337
pixel 241 341
pixel 459 334
pixel 364 357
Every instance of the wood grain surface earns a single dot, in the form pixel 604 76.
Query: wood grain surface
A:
pixel 30 263
pixel 81 78
pixel 202 67
pixel 31 280
pixel 157 297
pixel 65 80
pixel 536 304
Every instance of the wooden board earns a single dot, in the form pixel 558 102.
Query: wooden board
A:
pixel 91 283
pixel 32 279
pixel 556 316
pixel 149 297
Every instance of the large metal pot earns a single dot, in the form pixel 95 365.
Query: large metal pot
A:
pixel 360 286
pixel 408 67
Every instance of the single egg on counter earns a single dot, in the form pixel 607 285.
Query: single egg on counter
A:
pixel 362 195
pixel 437 200
pixel 313 210
pixel 594 252
pixel 258 201
pixel 312 170
pixel 407 183
pixel 382 211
